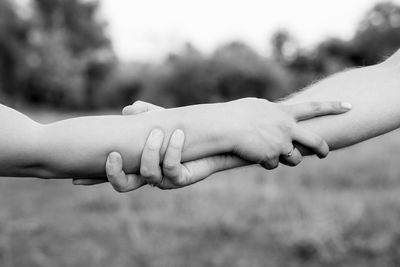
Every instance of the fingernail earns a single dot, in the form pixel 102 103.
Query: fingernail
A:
pixel 138 107
pixel 346 105
pixel 156 136
pixel 178 136
pixel 112 158
pixel 325 152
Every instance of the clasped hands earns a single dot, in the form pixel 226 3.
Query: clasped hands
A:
pixel 260 132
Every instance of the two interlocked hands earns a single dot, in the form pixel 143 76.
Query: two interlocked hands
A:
pixel 260 132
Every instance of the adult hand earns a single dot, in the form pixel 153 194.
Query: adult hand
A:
pixel 274 136
pixel 265 132
pixel 261 137
pixel 172 174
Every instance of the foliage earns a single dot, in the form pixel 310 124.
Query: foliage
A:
pixel 232 71
pixel 58 54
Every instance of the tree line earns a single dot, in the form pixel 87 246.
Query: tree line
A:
pixel 56 53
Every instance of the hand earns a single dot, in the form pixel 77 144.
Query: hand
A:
pixel 181 175
pixel 266 132
pixel 172 174
pixel 175 174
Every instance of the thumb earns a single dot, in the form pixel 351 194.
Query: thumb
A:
pixel 139 107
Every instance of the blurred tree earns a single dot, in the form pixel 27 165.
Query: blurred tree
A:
pixel 190 80
pixel 233 71
pixel 243 72
pixel 284 46
pixel 77 19
pixel 13 51
pixel 56 77
pixel 378 34
pixel 72 52
pixel 59 54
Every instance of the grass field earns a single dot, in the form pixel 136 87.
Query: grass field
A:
pixel 342 211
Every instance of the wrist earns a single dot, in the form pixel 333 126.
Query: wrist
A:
pixel 207 128
pixel 228 126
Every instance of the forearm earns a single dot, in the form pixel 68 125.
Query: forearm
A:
pixel 374 93
pixel 79 147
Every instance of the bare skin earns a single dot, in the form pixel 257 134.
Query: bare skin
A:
pixel 193 171
pixel 78 147
pixel 373 92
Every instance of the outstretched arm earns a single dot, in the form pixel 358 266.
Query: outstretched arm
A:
pixel 374 93
pixel 79 147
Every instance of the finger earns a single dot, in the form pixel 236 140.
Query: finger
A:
pixel 139 107
pixel 310 140
pixel 150 168
pixel 270 163
pixel 197 170
pixel 172 159
pixel 292 158
pixel 309 110
pixel 78 181
pixel 120 181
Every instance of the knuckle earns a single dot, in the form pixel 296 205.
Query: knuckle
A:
pixel 284 127
pixel 169 165
pixel 268 157
pixel 151 148
pixel 277 148
pixel 180 181
pixel 280 145
pixel 270 162
pixel 147 172
pixel 175 145
pixel 318 142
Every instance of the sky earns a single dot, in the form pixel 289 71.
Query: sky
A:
pixel 147 30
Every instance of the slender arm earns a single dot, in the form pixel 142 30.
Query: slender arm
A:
pixel 79 147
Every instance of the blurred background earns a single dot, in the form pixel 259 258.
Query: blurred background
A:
pixel 65 58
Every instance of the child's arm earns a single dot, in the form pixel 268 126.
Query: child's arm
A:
pixel 79 147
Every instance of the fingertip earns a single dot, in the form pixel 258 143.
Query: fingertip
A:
pixel 155 138
pixel 346 106
pixel 113 166
pixel 178 138
pixel 324 150
pixel 126 110
pixel 115 157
